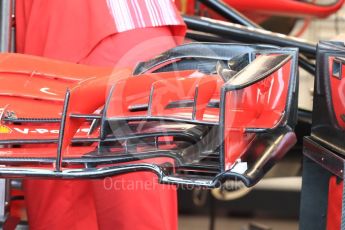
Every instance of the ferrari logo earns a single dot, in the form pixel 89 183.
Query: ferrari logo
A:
pixel 4 129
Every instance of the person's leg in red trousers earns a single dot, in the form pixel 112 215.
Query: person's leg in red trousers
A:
pixel 54 205
pixel 66 204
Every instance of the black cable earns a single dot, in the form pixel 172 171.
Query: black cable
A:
pixel 306 65
pixel 229 13
pixel 205 37
pixel 244 34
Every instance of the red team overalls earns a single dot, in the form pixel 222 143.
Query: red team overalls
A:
pixel 116 33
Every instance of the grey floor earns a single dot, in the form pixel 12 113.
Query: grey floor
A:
pixel 223 223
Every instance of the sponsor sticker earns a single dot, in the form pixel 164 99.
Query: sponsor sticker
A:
pixel 4 129
pixel 43 131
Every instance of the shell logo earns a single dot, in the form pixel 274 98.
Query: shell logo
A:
pixel 4 129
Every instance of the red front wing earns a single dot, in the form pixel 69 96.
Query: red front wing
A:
pixel 209 112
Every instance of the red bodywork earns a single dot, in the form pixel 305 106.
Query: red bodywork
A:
pixel 335 192
pixel 337 90
pixel 293 8
pixel 261 10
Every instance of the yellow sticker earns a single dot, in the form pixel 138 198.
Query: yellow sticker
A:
pixel 183 6
pixel 4 129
